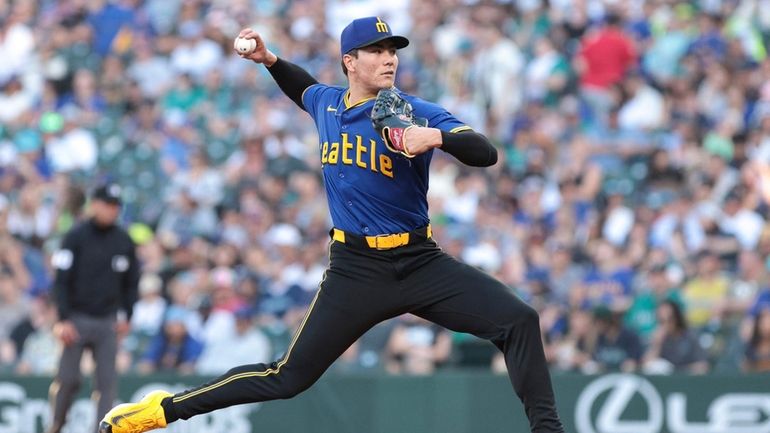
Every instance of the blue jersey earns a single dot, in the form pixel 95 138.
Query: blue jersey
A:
pixel 370 189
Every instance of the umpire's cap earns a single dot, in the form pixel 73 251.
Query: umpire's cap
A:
pixel 108 193
pixel 366 31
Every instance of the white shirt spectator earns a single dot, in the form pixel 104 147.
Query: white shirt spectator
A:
pixel 249 347
pixel 290 144
pixel 76 149
pixel 644 111
pixel 484 255
pixel 15 100
pixel 41 352
pixel 497 80
pixel 538 72
pixel 746 225
pixel 148 314
pixel 9 155
pixel 448 37
pixel 17 47
pixel 149 309
pixel 285 235
pixel 618 225
pixel 38 224
pixel 463 107
pixel 442 179
pixel 12 106
pixel 306 278
pixel 220 324
pixel 662 231
pixel 463 207
pixel 197 55
pixel 32 215
pixel 153 75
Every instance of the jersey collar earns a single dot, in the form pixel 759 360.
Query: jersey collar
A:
pixel 348 105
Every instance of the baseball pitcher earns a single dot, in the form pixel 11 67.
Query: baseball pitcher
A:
pixel 375 147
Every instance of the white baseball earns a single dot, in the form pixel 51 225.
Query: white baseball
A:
pixel 244 46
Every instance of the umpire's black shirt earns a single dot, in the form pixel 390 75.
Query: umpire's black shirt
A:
pixel 96 271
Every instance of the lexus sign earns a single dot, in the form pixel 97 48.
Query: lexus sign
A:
pixel 603 402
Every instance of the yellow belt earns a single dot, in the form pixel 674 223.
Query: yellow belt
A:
pixel 381 242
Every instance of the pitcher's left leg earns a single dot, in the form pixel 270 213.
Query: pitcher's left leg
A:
pixel 464 299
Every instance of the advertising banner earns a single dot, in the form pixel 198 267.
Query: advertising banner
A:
pixel 461 402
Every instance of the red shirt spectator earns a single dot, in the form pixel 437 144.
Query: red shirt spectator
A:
pixel 605 56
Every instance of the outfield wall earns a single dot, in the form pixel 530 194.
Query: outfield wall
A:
pixel 462 402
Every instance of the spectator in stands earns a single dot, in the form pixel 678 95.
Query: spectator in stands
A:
pixel 563 272
pixel 757 354
pixel 195 54
pixel 201 182
pixel 185 217
pixel 14 305
pixel 14 309
pixel 750 277
pixel 498 74
pixel 17 43
pixel 547 74
pixel 656 288
pixel 32 217
pixel 417 347
pixel 573 352
pixel 740 220
pixel 644 111
pixel 172 349
pixel 662 58
pixel 71 145
pixel 368 353
pixel 674 347
pixel 148 315
pixel 247 344
pixel 704 293
pixel 608 282
pixel 617 347
pixel 150 70
pixel 710 46
pixel 605 56
pixel 216 307
pixel 15 99
pixel 41 350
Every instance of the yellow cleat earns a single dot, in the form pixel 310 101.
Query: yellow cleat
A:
pixel 139 417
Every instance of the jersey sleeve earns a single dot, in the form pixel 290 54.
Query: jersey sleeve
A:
pixel 438 117
pixel 311 98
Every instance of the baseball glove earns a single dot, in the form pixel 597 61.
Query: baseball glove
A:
pixel 391 117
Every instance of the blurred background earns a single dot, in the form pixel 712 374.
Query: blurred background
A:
pixel 629 206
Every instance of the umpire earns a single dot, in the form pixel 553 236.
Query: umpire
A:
pixel 96 275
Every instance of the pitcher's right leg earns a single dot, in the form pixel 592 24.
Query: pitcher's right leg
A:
pixel 324 334
pixel 353 297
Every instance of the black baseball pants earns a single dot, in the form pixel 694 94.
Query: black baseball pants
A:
pixel 363 287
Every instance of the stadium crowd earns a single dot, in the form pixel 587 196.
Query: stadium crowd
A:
pixel 630 205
